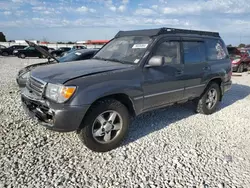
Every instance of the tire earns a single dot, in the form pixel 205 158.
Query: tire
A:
pixel 240 68
pixel 41 56
pixel 91 125
pixel 5 54
pixel 22 56
pixel 202 105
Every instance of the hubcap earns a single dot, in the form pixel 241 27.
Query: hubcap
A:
pixel 211 98
pixel 107 126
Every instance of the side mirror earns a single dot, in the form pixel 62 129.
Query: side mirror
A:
pixel 155 61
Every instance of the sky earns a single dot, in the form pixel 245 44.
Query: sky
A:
pixel 75 20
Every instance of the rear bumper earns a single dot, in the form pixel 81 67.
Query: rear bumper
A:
pixel 59 117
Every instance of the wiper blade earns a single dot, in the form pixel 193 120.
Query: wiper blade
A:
pixel 100 58
pixel 120 61
pixel 115 60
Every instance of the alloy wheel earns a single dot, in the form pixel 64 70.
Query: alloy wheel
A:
pixel 212 97
pixel 107 126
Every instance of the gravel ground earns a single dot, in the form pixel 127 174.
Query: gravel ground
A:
pixel 171 147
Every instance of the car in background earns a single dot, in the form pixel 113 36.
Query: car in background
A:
pixel 74 56
pixel 60 51
pixel 240 59
pixel 78 47
pixel 2 47
pixel 9 51
pixel 74 48
pixel 30 51
pixel 51 49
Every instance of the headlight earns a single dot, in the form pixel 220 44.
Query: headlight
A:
pixel 59 93
pixel 25 75
pixel 15 51
pixel 235 61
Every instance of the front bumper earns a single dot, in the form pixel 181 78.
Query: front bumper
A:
pixel 57 117
pixel 235 67
pixel 15 53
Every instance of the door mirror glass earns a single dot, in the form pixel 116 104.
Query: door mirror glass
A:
pixel 155 61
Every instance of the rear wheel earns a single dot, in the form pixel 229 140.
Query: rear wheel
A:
pixel 209 100
pixel 5 53
pixel 240 68
pixel 105 125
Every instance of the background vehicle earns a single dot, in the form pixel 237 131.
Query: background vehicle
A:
pixel 60 51
pixel 74 56
pixel 51 49
pixel 30 51
pixel 78 47
pixel 240 59
pixel 136 72
pixel 9 51
pixel 2 47
pixel 74 48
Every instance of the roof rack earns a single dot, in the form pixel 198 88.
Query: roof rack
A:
pixel 186 31
pixel 164 30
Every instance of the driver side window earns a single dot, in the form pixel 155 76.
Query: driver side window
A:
pixel 170 50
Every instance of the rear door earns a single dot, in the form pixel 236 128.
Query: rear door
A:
pixel 30 52
pixel 195 66
pixel 163 85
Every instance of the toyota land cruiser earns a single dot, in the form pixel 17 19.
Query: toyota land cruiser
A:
pixel 137 71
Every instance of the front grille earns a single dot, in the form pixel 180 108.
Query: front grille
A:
pixel 35 86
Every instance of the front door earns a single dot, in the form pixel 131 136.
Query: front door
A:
pixel 163 85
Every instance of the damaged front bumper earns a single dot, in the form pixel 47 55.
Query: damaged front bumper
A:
pixel 57 117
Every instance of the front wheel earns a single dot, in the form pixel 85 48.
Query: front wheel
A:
pixel 22 56
pixel 209 100
pixel 105 126
pixel 240 68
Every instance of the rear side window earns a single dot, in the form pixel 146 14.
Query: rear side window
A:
pixel 170 51
pixel 194 52
pixel 216 49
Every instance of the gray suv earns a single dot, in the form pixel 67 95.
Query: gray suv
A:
pixel 136 72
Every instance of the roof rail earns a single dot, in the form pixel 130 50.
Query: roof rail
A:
pixel 164 30
pixel 186 31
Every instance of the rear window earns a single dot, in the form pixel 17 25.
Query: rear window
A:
pixel 216 49
pixel 194 52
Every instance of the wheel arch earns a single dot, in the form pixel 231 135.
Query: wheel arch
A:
pixel 218 81
pixel 121 97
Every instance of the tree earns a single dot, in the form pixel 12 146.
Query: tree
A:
pixel 242 45
pixel 2 37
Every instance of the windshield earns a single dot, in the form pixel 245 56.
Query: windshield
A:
pixel 70 57
pixel 125 49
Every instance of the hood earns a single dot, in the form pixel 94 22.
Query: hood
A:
pixel 41 50
pixel 62 72
pixel 30 67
